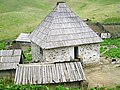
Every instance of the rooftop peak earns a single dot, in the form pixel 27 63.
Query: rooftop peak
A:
pixel 60 2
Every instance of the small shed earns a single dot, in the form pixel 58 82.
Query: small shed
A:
pixel 63 36
pixel 23 39
pixel 69 74
pixel 105 35
pixel 9 59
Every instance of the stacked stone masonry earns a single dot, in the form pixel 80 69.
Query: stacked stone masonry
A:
pixel 88 54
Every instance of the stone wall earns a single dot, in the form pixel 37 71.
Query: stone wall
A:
pixel 56 55
pixel 89 54
pixel 36 53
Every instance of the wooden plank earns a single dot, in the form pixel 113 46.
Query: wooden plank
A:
pixel 79 73
pixel 50 74
pixel 45 73
pixel 75 71
pixel 67 72
pixel 20 75
pixel 26 71
pixel 34 74
pixel 56 80
pixel 39 75
pixel 17 75
pixel 23 81
pixel 83 75
pixel 29 75
pixel 53 75
pixel 57 72
pixel 72 71
pixel 62 72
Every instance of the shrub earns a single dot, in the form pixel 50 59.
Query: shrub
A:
pixel 2 45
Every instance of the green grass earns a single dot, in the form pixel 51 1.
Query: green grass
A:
pixel 112 41
pixel 3 45
pixel 112 52
pixel 28 55
pixel 8 84
pixel 18 16
pixel 102 49
pixel 112 20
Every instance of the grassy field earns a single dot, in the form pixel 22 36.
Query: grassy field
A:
pixel 18 16
pixel 113 46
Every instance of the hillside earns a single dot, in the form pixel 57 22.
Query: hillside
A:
pixel 18 16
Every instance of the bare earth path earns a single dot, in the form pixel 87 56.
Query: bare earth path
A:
pixel 105 74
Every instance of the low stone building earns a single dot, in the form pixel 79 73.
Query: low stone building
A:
pixel 63 36
pixel 9 59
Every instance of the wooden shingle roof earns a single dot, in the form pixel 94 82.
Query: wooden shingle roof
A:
pixel 62 27
pixel 9 59
pixel 41 73
pixel 23 37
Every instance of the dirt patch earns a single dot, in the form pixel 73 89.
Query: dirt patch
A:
pixel 105 74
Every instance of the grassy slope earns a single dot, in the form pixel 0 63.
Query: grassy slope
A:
pixel 18 16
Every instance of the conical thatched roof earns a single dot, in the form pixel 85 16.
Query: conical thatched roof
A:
pixel 62 27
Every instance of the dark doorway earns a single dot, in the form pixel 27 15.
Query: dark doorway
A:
pixel 75 52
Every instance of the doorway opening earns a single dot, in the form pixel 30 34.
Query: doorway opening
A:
pixel 75 52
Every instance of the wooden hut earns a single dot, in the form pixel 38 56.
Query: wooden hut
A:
pixel 8 62
pixel 63 36
pixel 69 74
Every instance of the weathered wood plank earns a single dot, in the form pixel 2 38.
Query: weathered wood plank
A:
pixel 17 75
pixel 78 72
pixel 39 74
pixel 73 71
pixel 58 73
pixel 67 73
pixel 62 73
pixel 82 72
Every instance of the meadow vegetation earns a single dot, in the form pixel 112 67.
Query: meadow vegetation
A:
pixel 113 46
pixel 3 45
pixel 8 84
pixel 28 55
pixel 18 16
